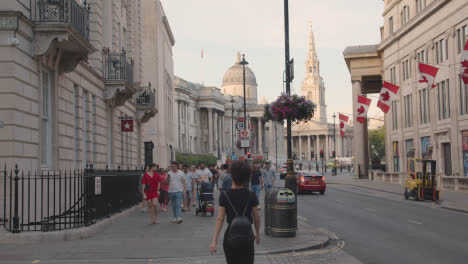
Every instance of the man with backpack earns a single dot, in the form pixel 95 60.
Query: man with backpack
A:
pixel 240 206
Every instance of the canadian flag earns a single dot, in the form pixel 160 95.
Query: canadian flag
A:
pixel 343 124
pixel 464 64
pixel 427 74
pixel 363 106
pixel 387 95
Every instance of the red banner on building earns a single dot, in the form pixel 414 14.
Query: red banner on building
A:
pixel 126 126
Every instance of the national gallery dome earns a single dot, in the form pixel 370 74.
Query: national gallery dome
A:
pixel 233 82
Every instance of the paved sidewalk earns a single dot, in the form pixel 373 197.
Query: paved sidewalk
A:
pixel 457 201
pixel 132 239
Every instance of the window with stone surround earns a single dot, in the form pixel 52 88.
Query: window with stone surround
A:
pixel 405 15
pixel 406 69
pixel 85 127
pixel 463 95
pixel 393 75
pixel 394 115
pixel 390 25
pixel 441 50
pixel 462 34
pixel 46 119
pixel 408 106
pixel 422 56
pixel 424 106
pixel 443 99
pixel 420 5
pixel 76 134
pixel 94 129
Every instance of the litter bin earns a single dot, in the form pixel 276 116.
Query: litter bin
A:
pixel 283 213
pixel 268 198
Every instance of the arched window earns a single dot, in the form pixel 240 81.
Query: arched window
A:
pixel 310 69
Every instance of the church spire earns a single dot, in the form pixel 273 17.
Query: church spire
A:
pixel 311 44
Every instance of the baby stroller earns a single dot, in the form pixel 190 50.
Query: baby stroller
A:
pixel 205 199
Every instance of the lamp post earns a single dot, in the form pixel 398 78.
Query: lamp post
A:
pixel 243 63
pixel 334 144
pixel 232 124
pixel 276 149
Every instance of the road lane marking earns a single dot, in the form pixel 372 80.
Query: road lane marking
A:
pixel 370 209
pixel 340 201
pixel 414 222
pixel 36 261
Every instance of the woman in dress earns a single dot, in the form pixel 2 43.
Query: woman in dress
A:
pixel 150 186
pixel 236 200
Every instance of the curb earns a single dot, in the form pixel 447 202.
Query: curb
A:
pixel 374 189
pixel 301 249
pixel 456 209
pixel 64 235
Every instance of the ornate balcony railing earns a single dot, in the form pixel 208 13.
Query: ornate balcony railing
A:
pixel 63 12
pixel 146 104
pixel 146 96
pixel 116 66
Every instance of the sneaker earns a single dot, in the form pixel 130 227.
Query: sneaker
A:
pixel 174 220
pixel 143 210
pixel 179 220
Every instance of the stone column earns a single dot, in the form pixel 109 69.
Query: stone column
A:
pixel 300 147
pixel 216 129
pixel 222 132
pixel 360 143
pixel 309 157
pixel 210 130
pixel 260 137
pixel 317 143
pixel 187 126
pixel 327 155
pixel 179 142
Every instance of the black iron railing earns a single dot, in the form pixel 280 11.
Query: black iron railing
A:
pixel 58 200
pixel 146 97
pixel 63 12
pixel 116 66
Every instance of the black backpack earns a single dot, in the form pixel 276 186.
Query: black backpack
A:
pixel 240 230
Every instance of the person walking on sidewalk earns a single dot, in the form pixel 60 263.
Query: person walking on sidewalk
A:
pixel 232 203
pixel 256 182
pixel 177 191
pixel 163 190
pixel 189 180
pixel 269 177
pixel 150 187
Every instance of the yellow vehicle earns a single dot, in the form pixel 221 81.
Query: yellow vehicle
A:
pixel 422 180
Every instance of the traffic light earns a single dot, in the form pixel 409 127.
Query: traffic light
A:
pixel 248 154
pixel 333 154
pixel 321 154
pixel 312 155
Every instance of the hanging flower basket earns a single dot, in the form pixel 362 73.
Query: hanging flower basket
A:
pixel 297 108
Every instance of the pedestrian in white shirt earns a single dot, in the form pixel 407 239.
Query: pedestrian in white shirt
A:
pixel 203 174
pixel 177 191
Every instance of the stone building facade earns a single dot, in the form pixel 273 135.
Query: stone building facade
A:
pixel 309 138
pixel 429 122
pixel 71 71
pixel 206 117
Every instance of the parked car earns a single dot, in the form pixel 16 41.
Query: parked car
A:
pixel 310 181
pixel 283 171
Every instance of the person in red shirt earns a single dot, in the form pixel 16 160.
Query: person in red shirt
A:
pixel 150 186
pixel 163 190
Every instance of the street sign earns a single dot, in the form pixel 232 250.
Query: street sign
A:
pixel 233 157
pixel 240 126
pixel 228 148
pixel 245 143
pixel 244 134
pixel 97 185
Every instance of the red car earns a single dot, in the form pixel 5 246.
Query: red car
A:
pixel 310 181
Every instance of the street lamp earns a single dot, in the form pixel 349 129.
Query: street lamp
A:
pixel 290 181
pixel 243 63
pixel 232 124
pixel 334 143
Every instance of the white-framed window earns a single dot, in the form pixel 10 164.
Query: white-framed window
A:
pixel 110 136
pixel 406 69
pixel 463 97
pixel 424 106
pixel 394 115
pixel 390 25
pixel 393 75
pixel 76 134
pixel 405 15
pixel 420 5
pixel 462 33
pixel 441 48
pixel 422 56
pixel 408 101
pixel 443 99
pixel 85 129
pixel 46 119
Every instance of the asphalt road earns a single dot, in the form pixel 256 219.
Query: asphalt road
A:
pixel 381 228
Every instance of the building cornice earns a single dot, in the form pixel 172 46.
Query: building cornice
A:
pixel 390 7
pixel 168 30
pixel 414 22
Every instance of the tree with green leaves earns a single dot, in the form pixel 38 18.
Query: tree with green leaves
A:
pixel 377 145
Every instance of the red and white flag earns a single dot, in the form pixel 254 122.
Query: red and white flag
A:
pixel 464 64
pixel 387 95
pixel 363 104
pixel 427 74
pixel 343 124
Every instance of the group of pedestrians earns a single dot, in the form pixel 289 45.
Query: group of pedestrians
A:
pixel 239 184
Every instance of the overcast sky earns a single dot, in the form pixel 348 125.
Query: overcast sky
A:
pixel 256 28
